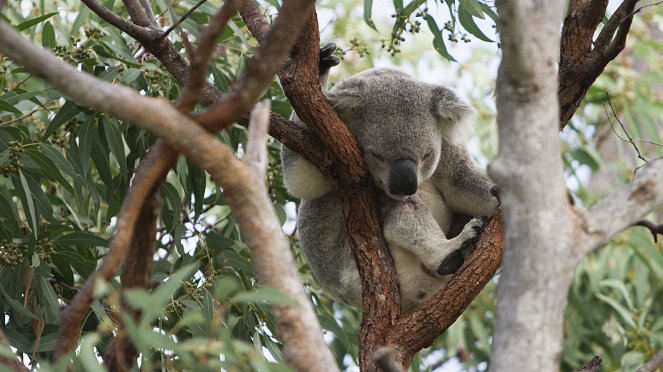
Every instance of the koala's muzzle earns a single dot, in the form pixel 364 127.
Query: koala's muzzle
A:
pixel 403 178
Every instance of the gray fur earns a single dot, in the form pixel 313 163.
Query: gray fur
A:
pixel 396 120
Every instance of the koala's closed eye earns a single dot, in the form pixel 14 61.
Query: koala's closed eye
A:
pixel 427 155
pixel 376 155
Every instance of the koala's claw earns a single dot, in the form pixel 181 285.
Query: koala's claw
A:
pixel 327 58
pixel 451 263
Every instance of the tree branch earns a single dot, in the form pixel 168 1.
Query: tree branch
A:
pixel 121 355
pixel 202 55
pixel 536 268
pixel 147 7
pixel 13 364
pixel 183 18
pixel 256 144
pixel 135 31
pixel 304 347
pixel 580 64
pixel 655 230
pixel 622 208
pixel 137 13
pixel 653 364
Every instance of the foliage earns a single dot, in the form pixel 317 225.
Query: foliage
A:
pixel 66 170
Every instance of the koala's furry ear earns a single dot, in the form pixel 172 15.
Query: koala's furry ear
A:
pixel 455 115
pixel 347 96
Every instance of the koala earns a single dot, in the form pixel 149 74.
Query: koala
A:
pixel 411 136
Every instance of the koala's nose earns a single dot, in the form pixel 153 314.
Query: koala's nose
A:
pixel 403 178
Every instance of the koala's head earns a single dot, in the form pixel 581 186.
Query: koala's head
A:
pixel 400 125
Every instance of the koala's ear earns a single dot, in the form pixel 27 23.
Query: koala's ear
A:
pixel 347 96
pixel 454 115
pixel 447 105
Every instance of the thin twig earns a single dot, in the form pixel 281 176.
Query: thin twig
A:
pixel 29 114
pixel 182 18
pixel 137 13
pixel 643 7
pixel 655 230
pixel 202 55
pixel 628 136
pixel 628 139
pixel 653 363
pixel 133 30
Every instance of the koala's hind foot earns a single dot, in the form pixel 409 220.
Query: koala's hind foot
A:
pixel 469 237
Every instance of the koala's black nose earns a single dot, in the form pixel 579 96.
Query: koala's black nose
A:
pixel 403 178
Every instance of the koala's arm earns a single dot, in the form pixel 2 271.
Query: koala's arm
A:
pixel 464 185
pixel 303 179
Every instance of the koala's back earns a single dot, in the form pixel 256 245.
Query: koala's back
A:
pixel 322 237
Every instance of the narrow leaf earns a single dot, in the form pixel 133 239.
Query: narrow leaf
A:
pixel 49 168
pixel 31 206
pixel 8 107
pixel 81 238
pixel 34 21
pixel 66 112
pixel 48 36
pixel 438 40
pixel 368 9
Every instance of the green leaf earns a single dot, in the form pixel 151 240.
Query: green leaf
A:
pixel 488 10
pixel 48 36
pixel 66 113
pixel 81 238
pixel 114 138
pixel 621 287
pixel 17 306
pixel 88 356
pixel 31 206
pixel 50 296
pixel 467 21
pixel 438 40
pixel 621 310
pixel 8 107
pixel 85 142
pixel 587 156
pixel 472 7
pixel 49 168
pixel 368 9
pixel 34 21
pixel 265 295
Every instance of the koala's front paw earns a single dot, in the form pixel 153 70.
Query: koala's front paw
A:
pixel 451 263
pixel 327 58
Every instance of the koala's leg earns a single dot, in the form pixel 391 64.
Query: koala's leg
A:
pixel 465 186
pixel 322 237
pixel 411 226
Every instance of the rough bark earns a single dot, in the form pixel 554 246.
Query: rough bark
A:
pixel 538 221
pixel 121 354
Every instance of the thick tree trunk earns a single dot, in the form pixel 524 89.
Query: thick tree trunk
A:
pixel 537 268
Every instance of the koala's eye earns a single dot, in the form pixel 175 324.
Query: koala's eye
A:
pixel 428 155
pixel 377 156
